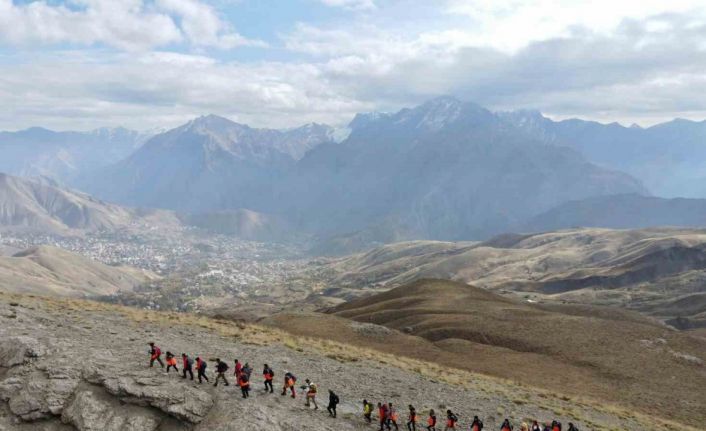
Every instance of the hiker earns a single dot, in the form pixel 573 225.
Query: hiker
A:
pixel 451 420
pixel 556 426
pixel 269 375
pixel 333 401
pixel 187 364
pixel 171 362
pixel 367 411
pixel 384 416
pixel 431 421
pixel 247 370
pixel 221 368
pixel 244 384
pixel 535 426
pixel 412 421
pixel 477 424
pixel 201 369
pixel 238 368
pixel 506 425
pixel 392 416
pixel 310 389
pixel 155 353
pixel 572 427
pixel 289 381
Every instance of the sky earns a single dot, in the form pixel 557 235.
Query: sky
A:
pixel 145 64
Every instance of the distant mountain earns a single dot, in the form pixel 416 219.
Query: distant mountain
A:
pixel 621 212
pixel 64 155
pixel 55 272
pixel 670 158
pixel 34 205
pixel 207 164
pixel 442 170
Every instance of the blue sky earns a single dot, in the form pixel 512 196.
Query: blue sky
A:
pixel 80 64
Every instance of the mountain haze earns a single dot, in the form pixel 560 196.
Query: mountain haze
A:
pixel 210 163
pixel 65 155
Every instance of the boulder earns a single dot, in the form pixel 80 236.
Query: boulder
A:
pixel 19 350
pixel 93 410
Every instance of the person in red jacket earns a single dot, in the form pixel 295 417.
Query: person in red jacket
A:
pixel 155 353
pixel 384 413
pixel 201 369
pixel 238 369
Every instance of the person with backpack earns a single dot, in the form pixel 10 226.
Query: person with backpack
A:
pixel 290 380
pixel 333 401
pixel 171 362
pixel 384 413
pixel 431 421
pixel 506 425
pixel 367 411
pixel 311 390
pixel 412 420
pixel 556 426
pixel 201 369
pixel 269 376
pixel 221 368
pixel 244 384
pixel 393 416
pixel 155 355
pixel 247 370
pixel 451 420
pixel 535 426
pixel 477 424
pixel 572 427
pixel 186 366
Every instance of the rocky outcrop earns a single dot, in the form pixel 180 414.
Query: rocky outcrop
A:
pixel 93 393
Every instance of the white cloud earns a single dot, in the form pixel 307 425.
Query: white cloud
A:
pixel 123 24
pixel 351 4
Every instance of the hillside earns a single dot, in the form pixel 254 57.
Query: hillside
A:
pixel 52 271
pixel 657 271
pixel 621 212
pixel 605 354
pixel 81 365
pixel 38 206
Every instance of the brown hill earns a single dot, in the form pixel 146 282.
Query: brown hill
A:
pixel 606 354
pixel 659 271
pixel 52 271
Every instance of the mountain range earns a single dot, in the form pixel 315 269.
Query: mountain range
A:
pixel 63 156
pixel 446 170
pixel 669 158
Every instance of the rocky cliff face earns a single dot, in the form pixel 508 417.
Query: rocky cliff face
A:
pixel 78 365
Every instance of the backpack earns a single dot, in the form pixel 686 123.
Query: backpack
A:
pixel 454 417
pixel 203 366
pixel 313 388
pixel 334 399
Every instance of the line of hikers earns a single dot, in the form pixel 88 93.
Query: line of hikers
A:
pixel 387 413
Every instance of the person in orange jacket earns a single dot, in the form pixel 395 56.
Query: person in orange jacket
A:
pixel 393 415
pixel 431 421
pixel 269 376
pixel 290 380
pixel 384 413
pixel 506 425
pixel 244 384
pixel 171 362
